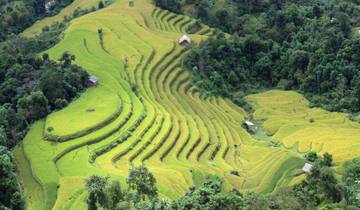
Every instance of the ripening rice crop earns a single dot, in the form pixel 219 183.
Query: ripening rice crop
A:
pixel 144 110
pixel 287 116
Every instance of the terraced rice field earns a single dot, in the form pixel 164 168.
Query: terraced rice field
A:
pixel 67 12
pixel 287 117
pixel 84 115
pixel 144 110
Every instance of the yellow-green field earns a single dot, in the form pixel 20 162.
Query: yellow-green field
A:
pixel 288 118
pixel 163 122
pixel 84 114
pixel 67 12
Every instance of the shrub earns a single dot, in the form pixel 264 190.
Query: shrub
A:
pixel 131 3
pixel 60 103
pixel 49 129
pixel 134 88
pixel 101 5
pixel 311 156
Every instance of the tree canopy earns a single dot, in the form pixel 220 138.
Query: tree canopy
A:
pixel 15 16
pixel 309 46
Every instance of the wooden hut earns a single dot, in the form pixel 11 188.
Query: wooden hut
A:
pixel 93 81
pixel 250 126
pixel 184 40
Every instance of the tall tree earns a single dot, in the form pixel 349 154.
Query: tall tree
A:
pixel 143 182
pixel 96 188
pixel 33 106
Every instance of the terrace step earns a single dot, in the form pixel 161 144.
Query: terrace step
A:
pixel 152 132
pixel 160 139
pixel 137 137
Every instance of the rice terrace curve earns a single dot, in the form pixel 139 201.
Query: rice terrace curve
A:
pixel 145 109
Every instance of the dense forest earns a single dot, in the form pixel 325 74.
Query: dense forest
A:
pixel 15 16
pixel 319 189
pixel 31 87
pixel 309 46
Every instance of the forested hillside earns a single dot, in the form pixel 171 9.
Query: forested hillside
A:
pixel 310 46
pixel 16 15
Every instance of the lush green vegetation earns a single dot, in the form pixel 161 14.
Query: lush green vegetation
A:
pixel 10 196
pixel 311 46
pixel 20 14
pixel 164 122
pixel 75 9
pixel 145 110
pixel 171 5
pixel 320 189
pixel 31 87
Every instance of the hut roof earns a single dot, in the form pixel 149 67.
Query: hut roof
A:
pixel 307 167
pixel 93 79
pixel 184 39
pixel 248 123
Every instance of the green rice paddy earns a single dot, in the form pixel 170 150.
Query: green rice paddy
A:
pixel 84 114
pixel 146 110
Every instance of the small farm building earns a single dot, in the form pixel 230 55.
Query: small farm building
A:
pixel 250 126
pixel 307 167
pixel 93 81
pixel 185 40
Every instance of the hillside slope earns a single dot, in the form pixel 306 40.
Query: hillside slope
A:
pixel 288 119
pixel 148 112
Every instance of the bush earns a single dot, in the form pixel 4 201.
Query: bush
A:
pixel 49 129
pixel 311 156
pixel 101 5
pixel 131 3
pixel 352 172
pixel 61 103
pixel 134 88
